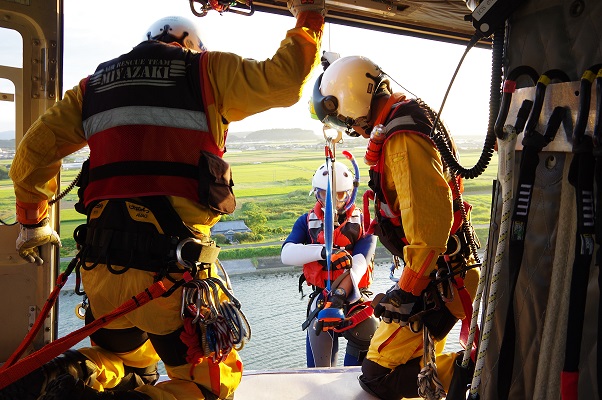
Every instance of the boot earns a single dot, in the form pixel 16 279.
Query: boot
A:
pixel 31 386
pixel 135 377
pixel 66 387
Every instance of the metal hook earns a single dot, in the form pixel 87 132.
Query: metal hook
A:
pixel 181 244
pixel 330 139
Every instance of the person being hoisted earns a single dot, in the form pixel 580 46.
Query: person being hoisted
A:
pixel 420 218
pixel 350 275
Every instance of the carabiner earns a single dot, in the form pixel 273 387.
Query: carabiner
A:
pixel 181 244
pixel 329 139
pixel 446 295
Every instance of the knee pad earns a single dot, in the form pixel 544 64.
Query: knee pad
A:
pixel 361 334
pixel 439 322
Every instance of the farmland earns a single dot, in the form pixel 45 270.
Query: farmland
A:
pixel 277 180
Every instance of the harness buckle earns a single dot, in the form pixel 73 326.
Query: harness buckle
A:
pixel 202 253
pixel 186 263
pixel 458 244
pixel 444 287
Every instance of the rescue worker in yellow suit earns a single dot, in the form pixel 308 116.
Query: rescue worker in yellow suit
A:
pixel 155 120
pixel 416 214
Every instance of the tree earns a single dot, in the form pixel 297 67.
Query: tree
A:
pixel 253 216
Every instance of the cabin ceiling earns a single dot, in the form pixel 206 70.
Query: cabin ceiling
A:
pixel 435 19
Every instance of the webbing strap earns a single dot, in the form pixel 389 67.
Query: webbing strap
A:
pixel 581 177
pixel 61 280
pixel 533 143
pixel 467 307
pixel 597 137
pixel 59 346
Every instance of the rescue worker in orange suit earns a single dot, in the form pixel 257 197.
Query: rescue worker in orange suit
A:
pixel 155 120
pixel 350 270
pixel 415 215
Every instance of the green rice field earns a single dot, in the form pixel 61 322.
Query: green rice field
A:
pixel 279 182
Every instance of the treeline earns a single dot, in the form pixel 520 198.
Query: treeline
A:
pixel 268 219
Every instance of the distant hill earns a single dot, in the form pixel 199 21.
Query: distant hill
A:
pixel 7 144
pixel 7 135
pixel 275 135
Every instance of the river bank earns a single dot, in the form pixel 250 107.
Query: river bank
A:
pixel 274 264
pixel 256 265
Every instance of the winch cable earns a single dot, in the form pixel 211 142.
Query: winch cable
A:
pixel 533 142
pixel 329 208
pixel 329 317
pixel 597 151
pixel 507 146
pixel 581 176
pixel 494 106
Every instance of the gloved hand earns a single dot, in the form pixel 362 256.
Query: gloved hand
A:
pixel 297 6
pixel 33 236
pixel 339 259
pixel 394 306
pixel 337 298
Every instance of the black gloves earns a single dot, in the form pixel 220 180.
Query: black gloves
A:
pixel 339 259
pixel 395 306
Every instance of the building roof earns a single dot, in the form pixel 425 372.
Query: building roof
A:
pixel 227 226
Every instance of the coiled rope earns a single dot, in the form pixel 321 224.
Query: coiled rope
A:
pixel 505 171
pixel 429 385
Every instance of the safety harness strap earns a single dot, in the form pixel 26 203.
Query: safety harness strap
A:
pixel 144 249
pixel 57 347
pixel 533 143
pixel 581 176
pixel 467 307
pixel 33 331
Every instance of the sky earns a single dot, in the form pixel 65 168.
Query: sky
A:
pixel 98 31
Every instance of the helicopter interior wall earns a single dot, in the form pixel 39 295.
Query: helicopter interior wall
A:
pixel 565 35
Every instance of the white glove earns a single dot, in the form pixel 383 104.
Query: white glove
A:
pixel 297 6
pixel 33 236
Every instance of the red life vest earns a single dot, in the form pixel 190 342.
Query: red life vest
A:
pixel 145 120
pixel 344 236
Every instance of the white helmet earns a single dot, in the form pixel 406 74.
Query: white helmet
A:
pixel 176 29
pixel 343 93
pixel 343 184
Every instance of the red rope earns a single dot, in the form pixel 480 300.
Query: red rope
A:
pixel 189 336
pixel 57 347
pixel 60 282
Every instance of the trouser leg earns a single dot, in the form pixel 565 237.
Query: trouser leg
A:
pixel 203 380
pixel 390 384
pixel 33 385
pixel 324 347
pixel 126 357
